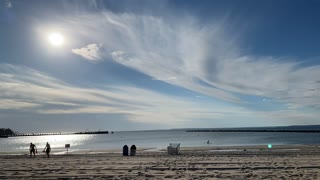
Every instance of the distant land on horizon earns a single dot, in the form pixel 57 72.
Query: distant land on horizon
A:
pixel 243 129
pixel 293 128
pixel 299 127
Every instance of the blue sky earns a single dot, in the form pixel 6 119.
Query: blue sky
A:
pixel 134 64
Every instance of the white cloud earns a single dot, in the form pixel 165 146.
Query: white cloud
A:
pixel 16 104
pixel 90 52
pixel 119 55
pixel 25 89
pixel 202 58
pixel 172 78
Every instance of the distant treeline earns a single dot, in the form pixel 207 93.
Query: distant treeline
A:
pixel 6 132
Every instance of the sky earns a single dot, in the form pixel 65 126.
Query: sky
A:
pixel 147 64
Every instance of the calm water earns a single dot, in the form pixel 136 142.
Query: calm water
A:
pixel 154 140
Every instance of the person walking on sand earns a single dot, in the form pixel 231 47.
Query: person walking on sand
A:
pixel 47 149
pixel 32 150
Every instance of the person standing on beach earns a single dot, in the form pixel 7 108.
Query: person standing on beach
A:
pixel 32 150
pixel 47 149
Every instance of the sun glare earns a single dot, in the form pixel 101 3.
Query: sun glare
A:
pixel 56 39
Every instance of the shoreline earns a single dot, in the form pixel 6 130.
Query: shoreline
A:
pixel 61 151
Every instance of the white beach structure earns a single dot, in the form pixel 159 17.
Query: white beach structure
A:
pixel 173 148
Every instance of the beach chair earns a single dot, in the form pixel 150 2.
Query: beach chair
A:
pixel 173 148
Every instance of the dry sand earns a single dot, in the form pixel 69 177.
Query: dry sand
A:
pixel 281 162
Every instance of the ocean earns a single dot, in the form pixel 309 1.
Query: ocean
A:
pixel 155 140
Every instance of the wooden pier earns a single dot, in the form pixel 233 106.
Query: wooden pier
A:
pixel 59 133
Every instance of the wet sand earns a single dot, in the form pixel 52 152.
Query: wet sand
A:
pixel 255 162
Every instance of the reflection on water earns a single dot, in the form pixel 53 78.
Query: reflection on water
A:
pixel 56 141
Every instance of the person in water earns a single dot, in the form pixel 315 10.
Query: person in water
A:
pixel 32 150
pixel 47 149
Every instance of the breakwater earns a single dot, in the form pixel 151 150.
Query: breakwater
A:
pixel 251 130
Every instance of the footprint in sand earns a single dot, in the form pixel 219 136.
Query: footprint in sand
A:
pixel 249 175
pixel 218 175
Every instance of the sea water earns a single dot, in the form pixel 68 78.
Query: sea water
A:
pixel 153 140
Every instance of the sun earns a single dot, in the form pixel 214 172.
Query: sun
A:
pixel 56 39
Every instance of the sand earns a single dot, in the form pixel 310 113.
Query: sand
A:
pixel 281 162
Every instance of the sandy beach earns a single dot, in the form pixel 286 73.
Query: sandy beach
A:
pixel 249 162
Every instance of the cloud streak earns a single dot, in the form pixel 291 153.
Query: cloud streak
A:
pixel 202 58
pixel 154 47
pixel 26 89
pixel 29 91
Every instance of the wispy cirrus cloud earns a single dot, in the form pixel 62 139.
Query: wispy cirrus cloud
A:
pixel 25 89
pixel 154 47
pixel 16 104
pixel 202 58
